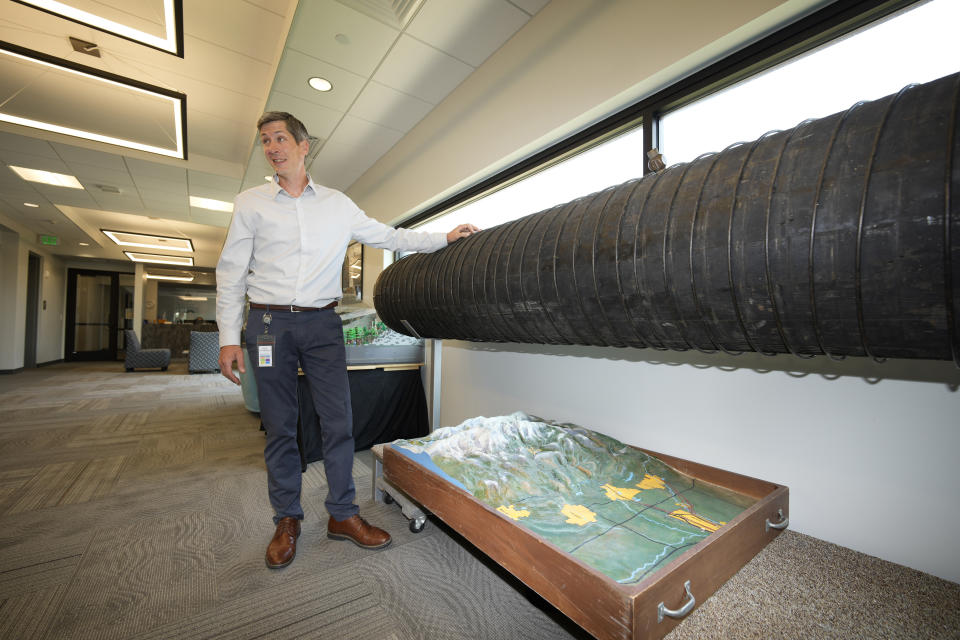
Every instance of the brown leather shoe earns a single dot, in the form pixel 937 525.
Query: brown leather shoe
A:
pixel 358 531
pixel 283 547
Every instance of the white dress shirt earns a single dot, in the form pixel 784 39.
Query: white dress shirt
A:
pixel 284 250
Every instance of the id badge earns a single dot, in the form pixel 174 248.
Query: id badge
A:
pixel 265 343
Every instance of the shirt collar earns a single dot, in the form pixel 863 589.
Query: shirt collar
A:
pixel 275 187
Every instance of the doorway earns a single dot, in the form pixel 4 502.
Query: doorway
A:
pixel 33 302
pixel 92 315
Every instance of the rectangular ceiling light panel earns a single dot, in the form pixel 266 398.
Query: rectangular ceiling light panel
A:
pixel 209 203
pixel 47 177
pixel 151 276
pixel 45 92
pixel 147 241
pixel 182 261
pixel 154 23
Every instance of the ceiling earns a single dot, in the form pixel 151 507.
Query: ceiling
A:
pixel 390 62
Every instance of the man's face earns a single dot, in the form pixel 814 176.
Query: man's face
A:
pixel 282 151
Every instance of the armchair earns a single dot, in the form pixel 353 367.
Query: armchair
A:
pixel 143 358
pixel 204 351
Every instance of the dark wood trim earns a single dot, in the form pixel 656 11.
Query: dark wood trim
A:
pixel 8 371
pixel 50 362
pixel 806 33
pixel 596 602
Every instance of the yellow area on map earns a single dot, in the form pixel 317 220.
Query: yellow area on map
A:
pixel 651 482
pixel 510 512
pixel 696 520
pixel 578 514
pixel 619 493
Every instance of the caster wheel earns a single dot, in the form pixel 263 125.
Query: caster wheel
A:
pixel 417 525
pixel 387 498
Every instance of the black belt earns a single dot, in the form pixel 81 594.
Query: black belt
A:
pixel 290 307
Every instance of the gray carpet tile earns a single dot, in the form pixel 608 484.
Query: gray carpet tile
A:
pixel 135 506
pixel 26 615
pixel 139 576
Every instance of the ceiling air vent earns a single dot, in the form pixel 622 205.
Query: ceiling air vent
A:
pixel 395 13
pixel 107 188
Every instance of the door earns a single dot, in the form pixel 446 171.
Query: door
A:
pixel 33 302
pixel 92 317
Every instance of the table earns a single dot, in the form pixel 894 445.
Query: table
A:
pixel 388 403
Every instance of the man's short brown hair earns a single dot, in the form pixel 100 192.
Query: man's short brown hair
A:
pixel 294 126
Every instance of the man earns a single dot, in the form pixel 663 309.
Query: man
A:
pixel 284 250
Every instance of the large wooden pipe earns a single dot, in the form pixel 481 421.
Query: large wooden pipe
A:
pixel 840 237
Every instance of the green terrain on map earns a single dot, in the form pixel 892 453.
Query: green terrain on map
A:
pixel 613 507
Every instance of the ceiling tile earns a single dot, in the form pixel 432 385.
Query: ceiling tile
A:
pixel 153 196
pixel 420 70
pixel 353 147
pixel 126 202
pixel 531 6
pixel 329 31
pixel 469 30
pixel 23 144
pixel 144 169
pixel 90 176
pixel 211 181
pixel 71 154
pixel 318 119
pixel 296 68
pixel 215 137
pixel 277 6
pixel 167 212
pixel 29 161
pixel 212 218
pixel 390 108
pixel 63 196
pixel 240 29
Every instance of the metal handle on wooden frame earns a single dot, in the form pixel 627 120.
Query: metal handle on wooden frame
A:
pixel 779 525
pixel 682 611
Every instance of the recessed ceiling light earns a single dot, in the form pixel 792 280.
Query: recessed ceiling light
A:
pixel 268 178
pixel 30 204
pixel 209 203
pixel 171 23
pixel 320 84
pixel 84 244
pixel 183 261
pixel 192 297
pixel 147 241
pixel 48 177
pixel 342 38
pixel 151 276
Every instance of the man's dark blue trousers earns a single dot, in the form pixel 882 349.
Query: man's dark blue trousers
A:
pixel 312 340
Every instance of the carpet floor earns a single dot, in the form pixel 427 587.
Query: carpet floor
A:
pixel 133 506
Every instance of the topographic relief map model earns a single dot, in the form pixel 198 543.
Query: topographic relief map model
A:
pixel 613 507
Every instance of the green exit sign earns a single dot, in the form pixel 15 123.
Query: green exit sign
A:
pixel 50 240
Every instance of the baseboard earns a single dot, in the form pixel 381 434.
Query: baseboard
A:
pixel 3 371
pixel 47 364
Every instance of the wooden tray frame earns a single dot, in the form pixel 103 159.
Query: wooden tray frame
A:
pixel 593 600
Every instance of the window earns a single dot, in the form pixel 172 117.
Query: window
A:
pixel 913 46
pixel 916 46
pixel 606 164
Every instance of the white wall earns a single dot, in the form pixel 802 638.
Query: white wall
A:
pixel 868 450
pixel 50 323
pixel 870 464
pixel 12 315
